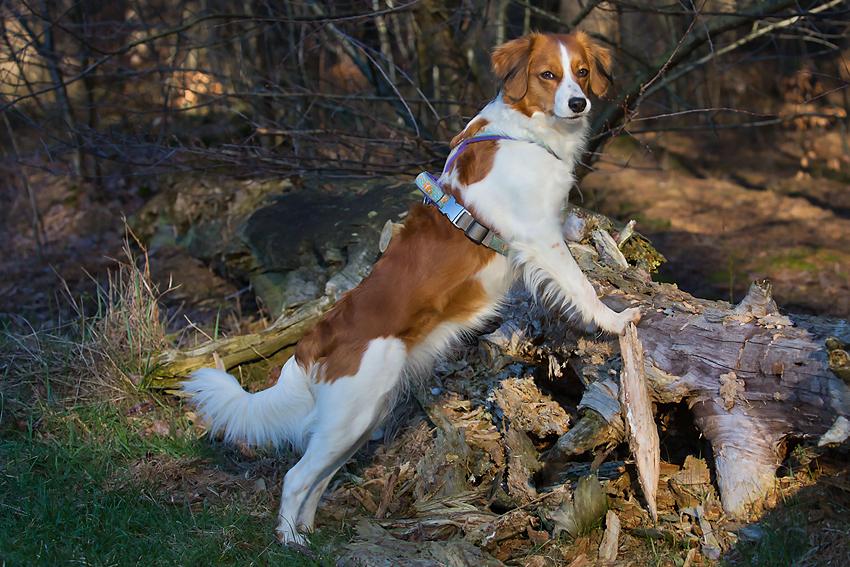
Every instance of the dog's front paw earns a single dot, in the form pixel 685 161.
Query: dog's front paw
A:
pixel 630 315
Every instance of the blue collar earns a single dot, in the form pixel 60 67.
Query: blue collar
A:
pixel 458 215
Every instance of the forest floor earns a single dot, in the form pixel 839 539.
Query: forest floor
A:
pixel 723 211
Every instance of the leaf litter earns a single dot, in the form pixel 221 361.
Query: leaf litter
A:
pixel 463 482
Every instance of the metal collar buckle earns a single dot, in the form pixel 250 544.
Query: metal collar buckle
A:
pixel 477 232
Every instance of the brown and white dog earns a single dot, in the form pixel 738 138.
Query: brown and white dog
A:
pixel 433 284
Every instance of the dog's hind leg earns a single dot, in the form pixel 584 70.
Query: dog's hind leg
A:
pixel 347 412
pixel 307 516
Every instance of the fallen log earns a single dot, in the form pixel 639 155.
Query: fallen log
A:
pixel 751 381
pixel 278 342
pixel 752 378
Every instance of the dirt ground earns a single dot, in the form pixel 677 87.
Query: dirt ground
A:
pixel 727 210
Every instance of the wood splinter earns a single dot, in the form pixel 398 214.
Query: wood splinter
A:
pixel 637 414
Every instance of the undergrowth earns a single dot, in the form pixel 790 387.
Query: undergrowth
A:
pixel 70 455
pixel 67 496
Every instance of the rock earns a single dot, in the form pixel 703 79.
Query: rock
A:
pixel 320 242
pixel 320 220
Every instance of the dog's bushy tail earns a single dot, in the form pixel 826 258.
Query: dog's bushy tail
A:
pixel 276 415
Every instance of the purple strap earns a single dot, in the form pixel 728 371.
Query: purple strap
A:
pixel 463 144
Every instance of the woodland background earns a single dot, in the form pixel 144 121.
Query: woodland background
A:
pixel 115 100
pixel 136 134
pixel 136 88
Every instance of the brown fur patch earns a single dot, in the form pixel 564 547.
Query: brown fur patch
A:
pixel 425 278
pixel 474 127
pixel 510 63
pixel 475 162
pixel 587 54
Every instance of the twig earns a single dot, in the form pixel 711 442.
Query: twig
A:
pixel 37 224
pixel 362 49
pixel 736 44
pixel 588 8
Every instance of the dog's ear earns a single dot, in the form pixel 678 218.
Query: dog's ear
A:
pixel 600 63
pixel 510 62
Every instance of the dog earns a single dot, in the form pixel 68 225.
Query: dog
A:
pixel 510 171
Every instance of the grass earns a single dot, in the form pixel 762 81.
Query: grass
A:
pixel 68 495
pixel 809 528
pixel 85 481
pixel 780 545
pixel 804 259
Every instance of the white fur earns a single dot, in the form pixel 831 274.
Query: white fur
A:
pixel 568 89
pixel 521 199
pixel 345 415
pixel 278 415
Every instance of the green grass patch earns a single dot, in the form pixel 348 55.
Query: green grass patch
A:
pixel 804 259
pixel 67 496
pixel 781 545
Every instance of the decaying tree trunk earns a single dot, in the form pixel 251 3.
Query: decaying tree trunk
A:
pixel 752 378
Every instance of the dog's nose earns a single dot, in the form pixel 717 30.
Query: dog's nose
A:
pixel 577 104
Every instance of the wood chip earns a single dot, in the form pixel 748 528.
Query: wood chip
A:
pixel 387 493
pixel 608 547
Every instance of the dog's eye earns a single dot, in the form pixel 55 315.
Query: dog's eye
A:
pixel 548 75
pixel 582 73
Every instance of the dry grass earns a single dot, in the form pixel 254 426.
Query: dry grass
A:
pixel 129 327
pixel 42 368
pixel 90 359
pixel 90 474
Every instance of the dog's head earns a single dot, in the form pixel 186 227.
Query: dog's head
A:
pixel 552 73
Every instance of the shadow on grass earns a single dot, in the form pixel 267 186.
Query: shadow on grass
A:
pixel 809 528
